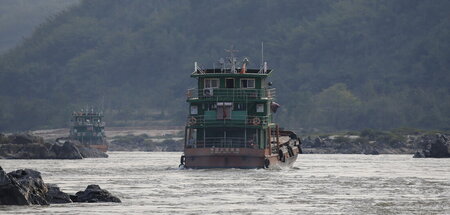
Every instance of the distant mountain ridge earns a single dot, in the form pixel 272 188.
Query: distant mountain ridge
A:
pixel 18 18
pixel 339 65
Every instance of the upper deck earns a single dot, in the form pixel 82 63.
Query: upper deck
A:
pixel 231 83
pixel 86 119
pixel 230 72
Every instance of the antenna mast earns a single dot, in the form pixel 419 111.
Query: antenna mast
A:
pixel 262 53
pixel 232 59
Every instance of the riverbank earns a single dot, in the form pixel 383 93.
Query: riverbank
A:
pixel 400 141
pixel 29 146
pixel 397 141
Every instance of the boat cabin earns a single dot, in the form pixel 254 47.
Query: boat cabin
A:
pixel 230 108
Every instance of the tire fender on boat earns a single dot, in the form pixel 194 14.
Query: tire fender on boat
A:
pixel 266 163
pixel 290 151
pixel 182 160
pixel 281 156
pixel 256 121
pixel 192 120
pixel 299 149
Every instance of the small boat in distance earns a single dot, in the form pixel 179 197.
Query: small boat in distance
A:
pixel 89 129
pixel 230 122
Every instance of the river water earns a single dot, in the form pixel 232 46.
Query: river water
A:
pixel 151 183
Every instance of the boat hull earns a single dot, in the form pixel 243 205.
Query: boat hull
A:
pixel 100 147
pixel 242 158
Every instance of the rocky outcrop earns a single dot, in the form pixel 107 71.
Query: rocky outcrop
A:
pixel 330 145
pixel 22 187
pixel 27 146
pixel 26 187
pixel 93 193
pixel 88 152
pixel 67 150
pixel 425 145
pixel 56 196
pixel 143 143
pixel 373 152
pixel 433 146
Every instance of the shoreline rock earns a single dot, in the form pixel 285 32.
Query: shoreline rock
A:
pixel 56 196
pixel 93 193
pixel 27 146
pixel 144 143
pixel 433 146
pixel 22 187
pixel 26 187
pixel 376 142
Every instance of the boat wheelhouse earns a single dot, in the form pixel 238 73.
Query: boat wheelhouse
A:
pixel 230 122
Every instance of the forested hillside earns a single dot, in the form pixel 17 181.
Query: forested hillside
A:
pixel 339 65
pixel 18 18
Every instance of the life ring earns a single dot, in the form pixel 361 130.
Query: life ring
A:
pixel 256 121
pixel 266 163
pixel 281 156
pixel 192 120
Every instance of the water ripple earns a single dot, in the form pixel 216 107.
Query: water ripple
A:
pixel 152 183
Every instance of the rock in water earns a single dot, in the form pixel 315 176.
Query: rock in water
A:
pixel 418 155
pixel 318 142
pixel 72 149
pixel 3 139
pixel 437 146
pixel 27 146
pixel 9 192
pixel 21 138
pixel 94 193
pixel 56 196
pixel 26 187
pixel 372 152
pixel 88 152
pixel 22 187
pixel 67 151
pixel 440 147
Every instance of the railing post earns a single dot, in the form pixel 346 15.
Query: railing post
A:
pixel 278 136
pixel 269 131
pixel 185 136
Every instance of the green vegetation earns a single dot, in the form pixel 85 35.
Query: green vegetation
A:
pixel 339 65
pixel 388 137
pixel 18 18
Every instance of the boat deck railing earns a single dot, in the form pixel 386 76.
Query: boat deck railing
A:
pixel 222 142
pixel 233 119
pixel 96 124
pixel 234 93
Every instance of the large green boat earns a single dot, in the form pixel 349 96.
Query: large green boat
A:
pixel 89 129
pixel 230 122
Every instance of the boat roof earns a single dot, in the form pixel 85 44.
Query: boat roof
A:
pixel 88 114
pixel 232 72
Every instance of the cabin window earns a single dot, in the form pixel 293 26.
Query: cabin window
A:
pixel 247 83
pixel 240 106
pixel 224 110
pixel 229 83
pixel 260 108
pixel 194 109
pixel 211 83
pixel 211 106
